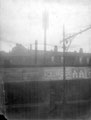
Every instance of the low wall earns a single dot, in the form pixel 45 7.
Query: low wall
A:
pixel 45 84
pixel 36 92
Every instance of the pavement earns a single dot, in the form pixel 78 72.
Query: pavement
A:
pixel 51 112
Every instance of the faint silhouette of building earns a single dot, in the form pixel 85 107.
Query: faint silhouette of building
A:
pixel 22 56
pixel 81 55
pixel 19 50
pixel 55 48
pixel 81 50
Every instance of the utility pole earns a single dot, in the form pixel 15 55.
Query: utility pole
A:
pixel 45 26
pixel 64 48
pixel 36 50
pixel 45 45
pixel 63 53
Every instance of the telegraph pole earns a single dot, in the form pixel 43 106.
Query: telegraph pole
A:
pixel 45 26
pixel 64 48
pixel 36 50
pixel 63 53
pixel 45 45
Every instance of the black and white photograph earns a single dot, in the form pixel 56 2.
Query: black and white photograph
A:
pixel 45 59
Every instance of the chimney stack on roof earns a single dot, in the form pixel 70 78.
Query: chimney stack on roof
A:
pixel 81 50
pixel 55 48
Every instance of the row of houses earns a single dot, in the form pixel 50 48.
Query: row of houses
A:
pixel 22 56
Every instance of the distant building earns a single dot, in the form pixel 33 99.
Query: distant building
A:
pixel 22 56
pixel 19 50
pixel 55 48
pixel 81 50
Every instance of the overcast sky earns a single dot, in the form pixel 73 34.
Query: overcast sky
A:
pixel 21 21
